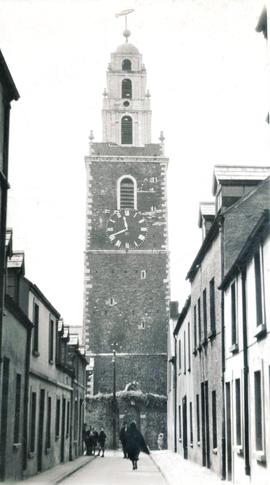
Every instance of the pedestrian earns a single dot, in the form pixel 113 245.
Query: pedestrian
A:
pixel 85 437
pixel 123 438
pixel 160 441
pixel 95 440
pixel 101 440
pixel 135 444
pixel 89 442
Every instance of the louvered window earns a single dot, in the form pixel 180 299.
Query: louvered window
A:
pixel 126 88
pixel 126 65
pixel 127 194
pixel 126 130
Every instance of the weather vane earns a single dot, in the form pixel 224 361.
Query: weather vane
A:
pixel 125 13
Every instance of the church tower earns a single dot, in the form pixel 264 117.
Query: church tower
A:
pixel 126 288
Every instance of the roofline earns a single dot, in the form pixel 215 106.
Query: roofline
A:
pixel 235 166
pixel 8 80
pixel 262 22
pixel 213 231
pixel 182 315
pixel 39 293
pixel 246 196
pixel 17 312
pixel 262 224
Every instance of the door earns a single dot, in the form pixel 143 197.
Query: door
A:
pixel 63 430
pixel 228 431
pixel 41 429
pixel 185 437
pixel 207 435
pixel 4 416
pixel 203 425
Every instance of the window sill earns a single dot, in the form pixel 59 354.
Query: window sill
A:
pixel 234 348
pixel 36 353
pixel 260 330
pixel 214 451
pixel 16 446
pixel 260 456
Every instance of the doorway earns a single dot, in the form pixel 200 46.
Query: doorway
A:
pixel 185 437
pixel 63 430
pixel 41 429
pixel 228 431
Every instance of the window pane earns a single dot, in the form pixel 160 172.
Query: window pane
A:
pixel 126 125
pixel 127 194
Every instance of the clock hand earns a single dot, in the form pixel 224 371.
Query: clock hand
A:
pixel 119 232
pixel 125 222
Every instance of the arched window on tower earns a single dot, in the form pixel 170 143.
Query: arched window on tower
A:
pixel 126 65
pixel 126 130
pixel 127 193
pixel 126 88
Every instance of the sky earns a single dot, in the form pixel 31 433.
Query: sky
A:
pixel 207 75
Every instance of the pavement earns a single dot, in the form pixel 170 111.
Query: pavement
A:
pixel 171 465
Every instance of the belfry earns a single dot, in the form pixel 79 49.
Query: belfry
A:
pixel 126 283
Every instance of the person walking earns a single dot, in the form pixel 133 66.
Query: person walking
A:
pixel 123 438
pixel 95 440
pixel 135 444
pixel 101 439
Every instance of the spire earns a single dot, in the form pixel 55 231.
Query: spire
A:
pixel 126 32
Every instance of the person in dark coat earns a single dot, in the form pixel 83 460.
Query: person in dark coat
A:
pixel 123 439
pixel 95 440
pixel 101 439
pixel 135 444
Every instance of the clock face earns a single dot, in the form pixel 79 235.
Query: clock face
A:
pixel 126 229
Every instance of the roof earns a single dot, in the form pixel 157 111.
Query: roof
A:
pixel 42 297
pixel 106 149
pixel 16 311
pixel 262 23
pixel 263 225
pixel 182 315
pixel 127 48
pixel 207 209
pixel 238 173
pixel 6 79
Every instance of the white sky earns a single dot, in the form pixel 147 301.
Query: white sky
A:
pixel 207 75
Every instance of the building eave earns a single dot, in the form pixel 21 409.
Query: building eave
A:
pixel 182 316
pixel 42 297
pixel 7 79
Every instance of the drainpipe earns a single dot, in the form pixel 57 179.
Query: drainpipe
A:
pixel 246 371
pixel 223 447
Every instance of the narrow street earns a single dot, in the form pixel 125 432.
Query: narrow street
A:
pixel 114 470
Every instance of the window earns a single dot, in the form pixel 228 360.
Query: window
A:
pixel 17 409
pixel 189 360
pixel 212 306
pixel 33 421
pixel 143 274
pixel 258 411
pixel 180 356
pixel 204 316
pixel 191 423
pixel 199 321
pixel 238 412
pixel 126 65
pixel 233 315
pixel 127 193
pixel 179 423
pixel 57 419
pixel 198 418
pixel 258 287
pixel 126 130
pixel 126 88
pixel 185 352
pixel 214 418
pixel 48 428
pixel 36 327
pixel 51 340
pixel 195 327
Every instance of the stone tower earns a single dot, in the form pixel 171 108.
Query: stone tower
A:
pixel 126 288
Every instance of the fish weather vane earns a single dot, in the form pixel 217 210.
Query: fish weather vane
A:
pixel 125 13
